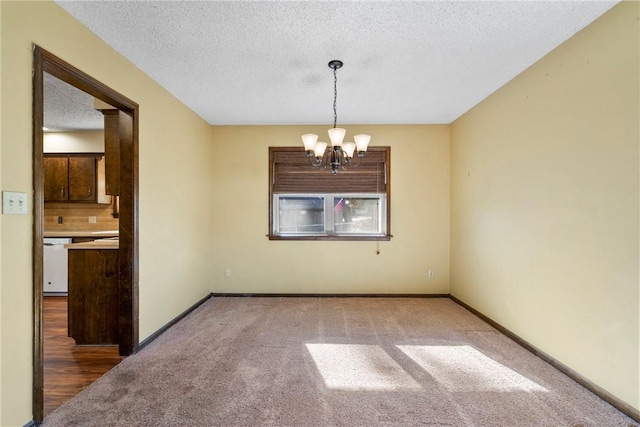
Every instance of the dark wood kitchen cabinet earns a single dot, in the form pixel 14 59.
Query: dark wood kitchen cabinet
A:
pixel 93 296
pixel 82 179
pixel 56 179
pixel 74 178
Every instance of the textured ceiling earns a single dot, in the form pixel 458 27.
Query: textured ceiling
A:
pixel 265 62
pixel 67 108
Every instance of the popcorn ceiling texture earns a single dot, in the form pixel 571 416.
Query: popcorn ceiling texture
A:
pixel 265 62
pixel 67 108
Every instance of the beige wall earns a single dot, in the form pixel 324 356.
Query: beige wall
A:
pixel 544 220
pixel 1 186
pixel 91 141
pixel 419 218
pixel 544 228
pixel 175 219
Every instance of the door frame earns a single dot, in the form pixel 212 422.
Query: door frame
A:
pixel 44 61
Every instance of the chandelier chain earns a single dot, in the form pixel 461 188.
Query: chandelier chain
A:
pixel 335 97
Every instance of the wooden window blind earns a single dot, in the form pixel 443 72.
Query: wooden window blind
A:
pixel 291 173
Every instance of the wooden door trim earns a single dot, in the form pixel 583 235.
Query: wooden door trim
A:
pixel 44 61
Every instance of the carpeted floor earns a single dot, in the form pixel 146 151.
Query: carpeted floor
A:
pixel 334 362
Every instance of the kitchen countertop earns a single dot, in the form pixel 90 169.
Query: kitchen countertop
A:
pixel 85 233
pixel 112 243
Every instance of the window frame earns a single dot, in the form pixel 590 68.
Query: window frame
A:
pixel 329 215
pixel 299 154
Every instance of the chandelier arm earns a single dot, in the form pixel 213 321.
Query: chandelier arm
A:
pixel 322 162
pixel 313 160
pixel 349 162
pixel 344 161
pixel 356 163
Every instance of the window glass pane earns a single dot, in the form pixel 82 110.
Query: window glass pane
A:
pixel 298 214
pixel 357 215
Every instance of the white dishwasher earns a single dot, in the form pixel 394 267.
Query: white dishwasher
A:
pixel 55 265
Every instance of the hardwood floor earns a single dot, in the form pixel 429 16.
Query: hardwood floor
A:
pixel 69 368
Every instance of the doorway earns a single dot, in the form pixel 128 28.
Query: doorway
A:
pixel 127 287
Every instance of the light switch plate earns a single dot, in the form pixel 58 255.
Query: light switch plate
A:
pixel 14 203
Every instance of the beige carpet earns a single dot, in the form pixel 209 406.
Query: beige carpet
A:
pixel 334 362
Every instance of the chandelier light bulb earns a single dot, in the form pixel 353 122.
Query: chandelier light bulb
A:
pixel 348 148
pixel 336 135
pixel 362 142
pixel 319 149
pixel 309 140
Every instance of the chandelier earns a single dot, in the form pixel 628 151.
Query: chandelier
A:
pixel 340 154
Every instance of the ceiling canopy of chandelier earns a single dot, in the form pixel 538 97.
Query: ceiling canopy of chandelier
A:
pixel 340 154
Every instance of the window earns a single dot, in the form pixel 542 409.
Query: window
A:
pixel 329 214
pixel 313 204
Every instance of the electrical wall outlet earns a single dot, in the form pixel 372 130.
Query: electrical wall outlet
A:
pixel 14 203
pixel 227 272
pixel 92 219
pixel 431 274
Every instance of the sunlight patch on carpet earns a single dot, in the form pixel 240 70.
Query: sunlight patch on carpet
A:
pixel 465 369
pixel 359 367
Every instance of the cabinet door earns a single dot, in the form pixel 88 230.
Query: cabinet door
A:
pixel 93 296
pixel 56 175
pixel 100 183
pixel 82 179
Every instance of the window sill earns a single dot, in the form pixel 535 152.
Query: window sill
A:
pixel 335 238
